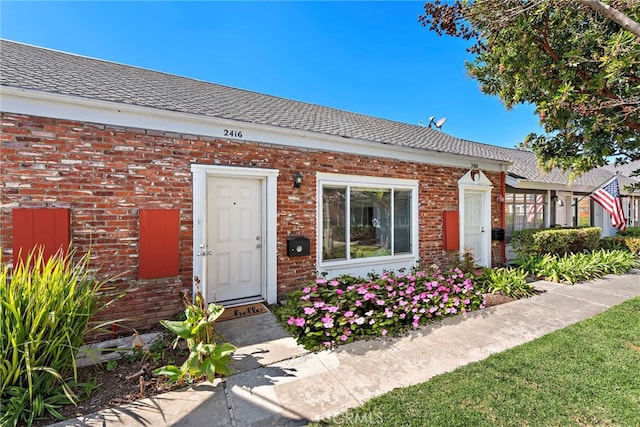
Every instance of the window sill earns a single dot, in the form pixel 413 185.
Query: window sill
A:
pixel 364 262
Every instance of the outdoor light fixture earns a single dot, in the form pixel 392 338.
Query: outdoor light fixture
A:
pixel 297 180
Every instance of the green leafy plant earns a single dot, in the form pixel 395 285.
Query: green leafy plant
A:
pixel 574 268
pixel 613 243
pixel 45 308
pixel 633 243
pixel 207 355
pixel 624 240
pixel 511 282
pixel 630 232
pixel 557 241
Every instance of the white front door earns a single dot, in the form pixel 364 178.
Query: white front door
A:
pixel 474 228
pixel 234 235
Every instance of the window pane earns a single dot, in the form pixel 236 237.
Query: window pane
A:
pixel 509 215
pixel 535 211
pixel 584 212
pixel 402 221
pixel 333 223
pixel 370 223
pixel 518 212
pixel 523 211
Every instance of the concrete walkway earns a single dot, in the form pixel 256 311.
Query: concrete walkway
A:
pixel 278 383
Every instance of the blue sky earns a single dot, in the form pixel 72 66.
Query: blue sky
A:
pixel 372 58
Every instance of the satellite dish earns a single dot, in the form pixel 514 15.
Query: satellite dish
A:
pixel 438 124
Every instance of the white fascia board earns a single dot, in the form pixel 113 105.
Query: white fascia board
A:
pixel 38 103
pixel 522 184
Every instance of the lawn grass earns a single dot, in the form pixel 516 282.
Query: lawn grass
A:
pixel 587 374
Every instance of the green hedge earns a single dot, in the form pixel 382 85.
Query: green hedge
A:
pixel 622 241
pixel 557 241
pixel 630 232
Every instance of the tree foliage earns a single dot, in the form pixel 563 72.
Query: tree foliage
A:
pixel 579 68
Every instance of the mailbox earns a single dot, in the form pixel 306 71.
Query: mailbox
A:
pixel 298 246
pixel 497 234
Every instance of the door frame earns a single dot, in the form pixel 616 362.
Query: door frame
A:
pixel 269 178
pixel 475 181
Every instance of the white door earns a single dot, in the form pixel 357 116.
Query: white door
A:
pixel 473 226
pixel 234 238
pixel 561 211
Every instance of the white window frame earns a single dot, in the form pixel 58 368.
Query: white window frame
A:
pixel 362 266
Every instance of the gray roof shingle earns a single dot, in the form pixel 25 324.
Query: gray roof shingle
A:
pixel 35 68
pixel 40 69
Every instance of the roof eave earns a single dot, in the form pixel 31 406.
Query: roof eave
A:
pixel 69 107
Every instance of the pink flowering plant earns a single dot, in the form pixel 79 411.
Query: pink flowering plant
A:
pixel 330 312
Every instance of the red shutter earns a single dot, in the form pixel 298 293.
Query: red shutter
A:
pixel 47 228
pixel 450 231
pixel 159 252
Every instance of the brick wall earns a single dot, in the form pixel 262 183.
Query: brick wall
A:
pixel 105 174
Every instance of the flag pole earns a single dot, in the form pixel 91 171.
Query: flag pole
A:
pixel 597 188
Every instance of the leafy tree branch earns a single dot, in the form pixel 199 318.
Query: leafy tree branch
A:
pixel 578 63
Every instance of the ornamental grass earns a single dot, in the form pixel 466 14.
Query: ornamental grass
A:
pixel 44 315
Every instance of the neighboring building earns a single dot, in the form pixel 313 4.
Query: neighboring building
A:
pixel 534 199
pixel 165 179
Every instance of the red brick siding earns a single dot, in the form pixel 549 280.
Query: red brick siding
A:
pixel 105 174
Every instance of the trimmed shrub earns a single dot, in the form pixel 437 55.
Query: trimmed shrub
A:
pixel 622 243
pixel 633 243
pixel 613 243
pixel 630 232
pixel 44 313
pixel 557 241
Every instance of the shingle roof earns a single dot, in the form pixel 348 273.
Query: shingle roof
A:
pixel 525 166
pixel 36 68
pixel 626 169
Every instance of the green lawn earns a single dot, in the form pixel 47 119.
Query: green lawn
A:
pixel 587 374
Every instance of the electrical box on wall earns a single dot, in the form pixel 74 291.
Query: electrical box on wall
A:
pixel 497 234
pixel 298 246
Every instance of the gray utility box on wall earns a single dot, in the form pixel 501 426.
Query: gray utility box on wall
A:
pixel 298 246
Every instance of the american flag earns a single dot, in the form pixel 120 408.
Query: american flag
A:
pixel 609 198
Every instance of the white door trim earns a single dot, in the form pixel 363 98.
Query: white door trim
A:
pixel 269 179
pixel 476 181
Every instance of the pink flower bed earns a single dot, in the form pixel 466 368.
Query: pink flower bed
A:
pixel 330 312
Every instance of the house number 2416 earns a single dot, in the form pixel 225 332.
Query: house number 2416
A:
pixel 233 133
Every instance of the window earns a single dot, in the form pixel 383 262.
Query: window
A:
pixel 524 210
pixel 634 211
pixel 366 219
pixel 584 212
